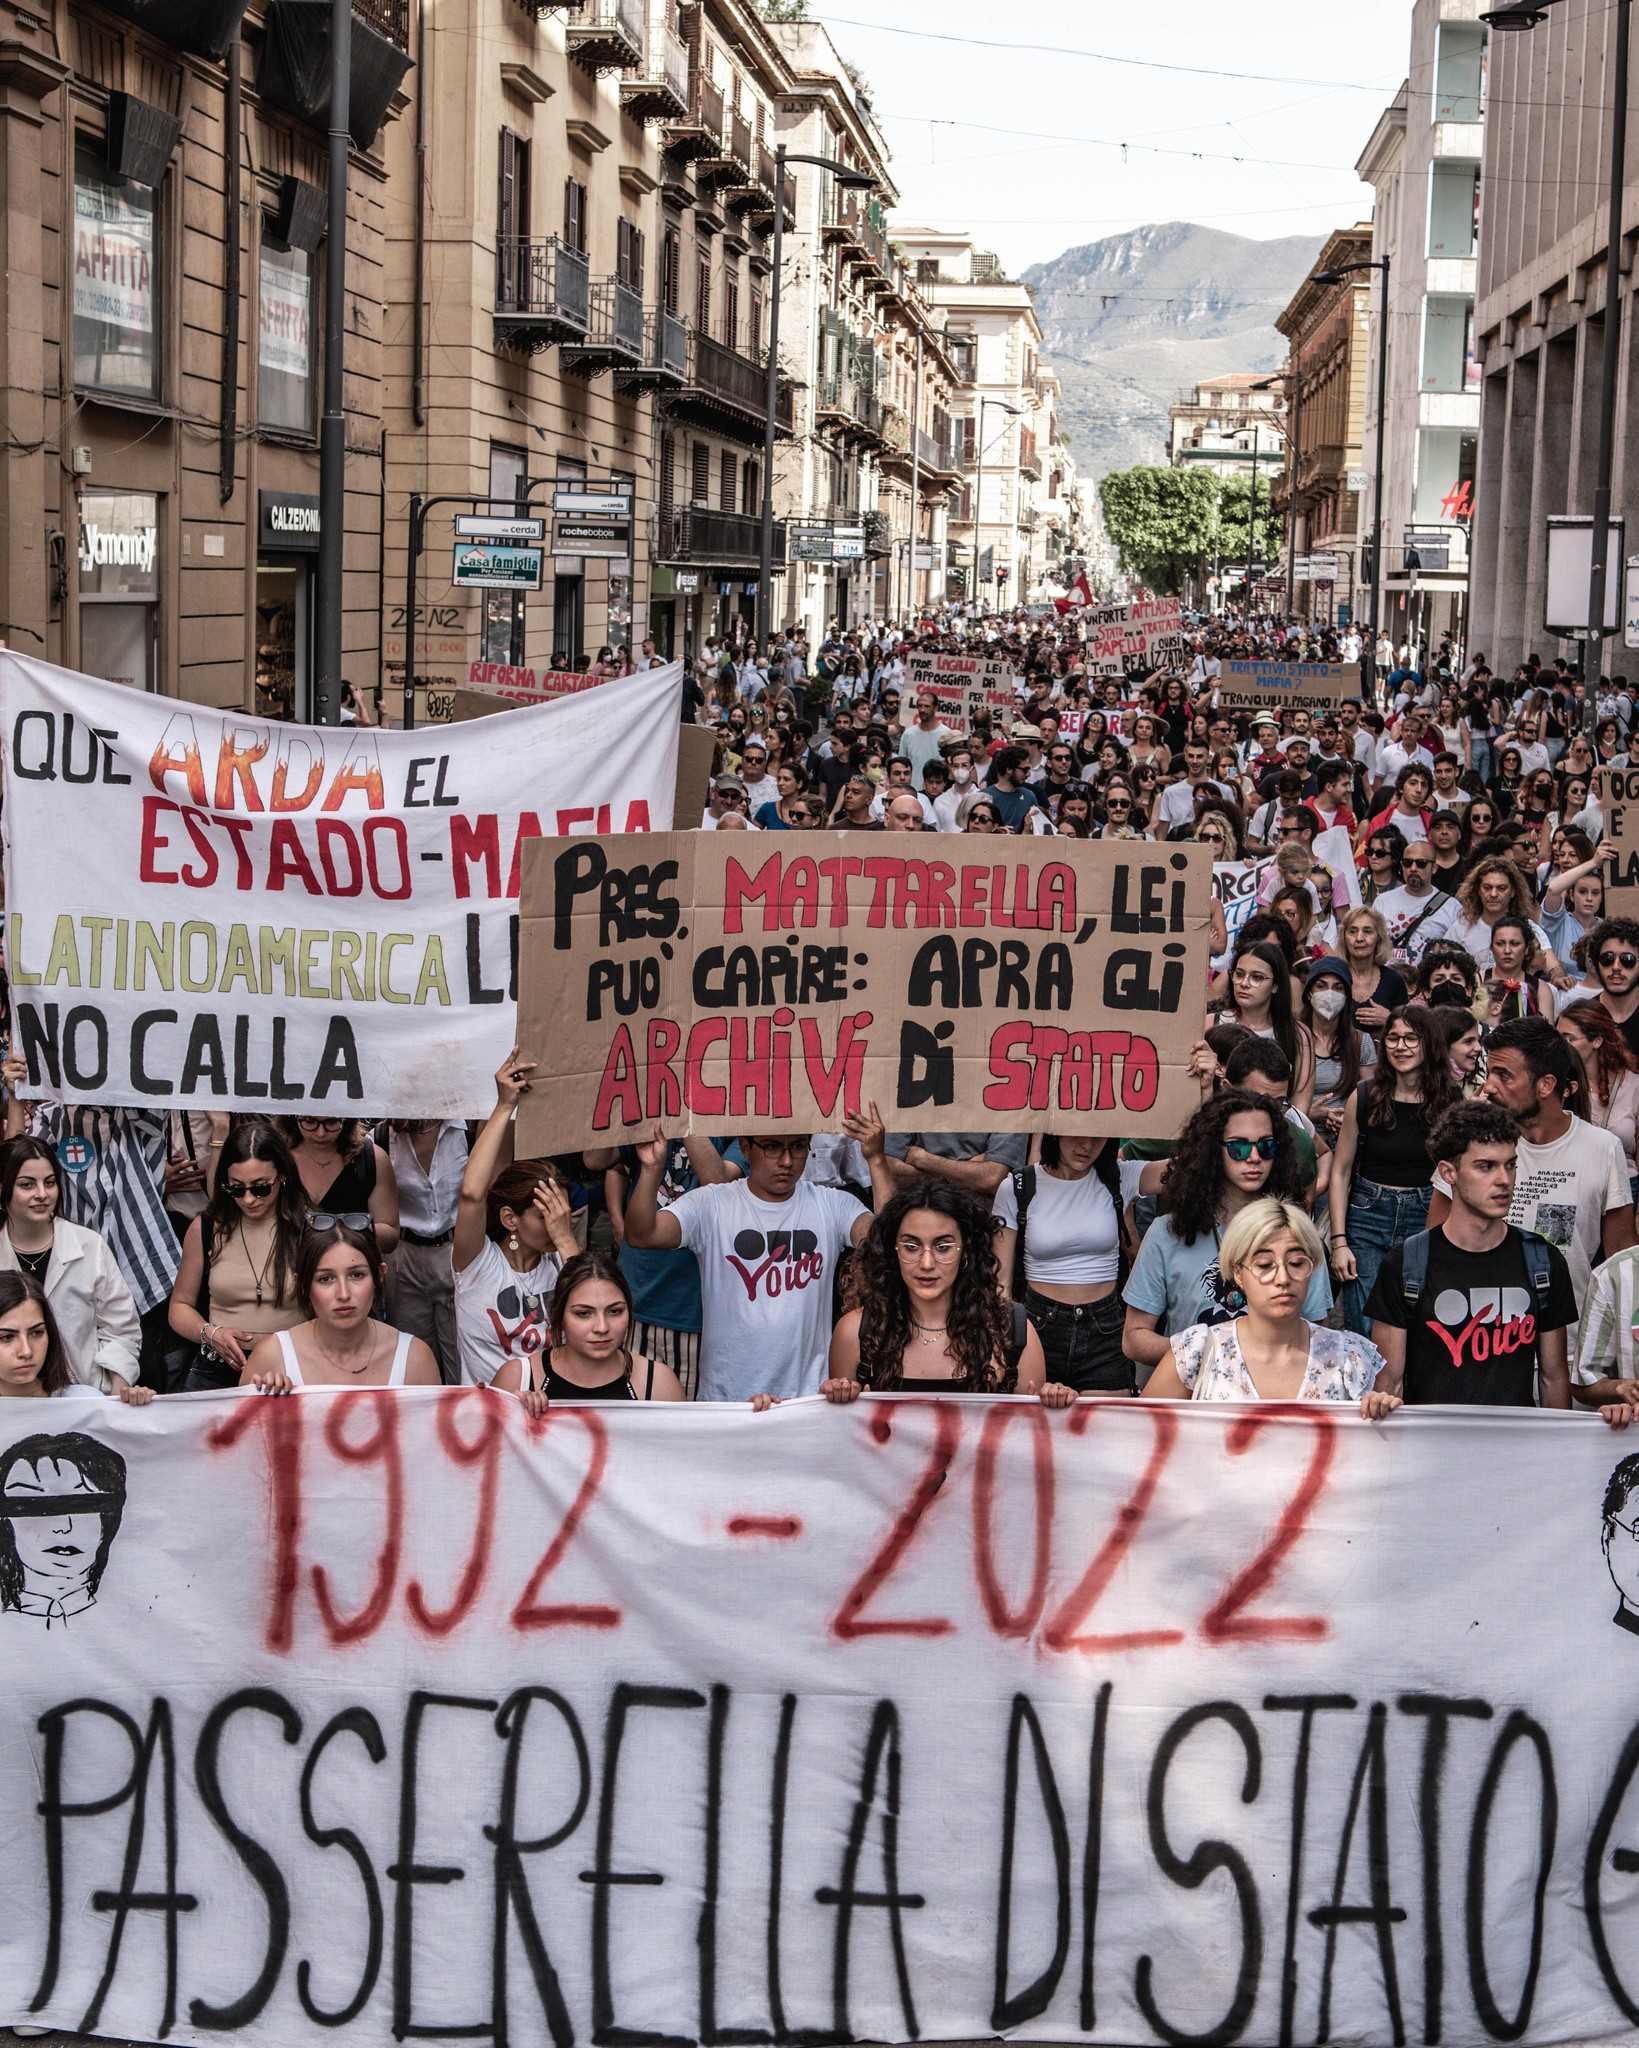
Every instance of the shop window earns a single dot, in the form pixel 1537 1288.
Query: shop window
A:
pixel 1459 71
pixel 1447 323
pixel 119 586
pixel 116 280
pixel 1453 207
pixel 286 332
pixel 1444 493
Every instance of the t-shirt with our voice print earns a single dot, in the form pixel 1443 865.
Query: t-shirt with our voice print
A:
pixel 766 1270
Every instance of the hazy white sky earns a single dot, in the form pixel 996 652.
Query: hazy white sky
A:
pixel 1002 119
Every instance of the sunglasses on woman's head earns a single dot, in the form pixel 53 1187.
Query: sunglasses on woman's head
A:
pixel 1242 1149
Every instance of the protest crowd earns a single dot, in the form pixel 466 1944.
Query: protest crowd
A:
pixel 1417 1058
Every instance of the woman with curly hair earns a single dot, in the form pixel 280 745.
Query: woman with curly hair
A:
pixel 1237 1147
pixel 1610 1076
pixel 934 1315
pixel 1381 1172
pixel 1492 888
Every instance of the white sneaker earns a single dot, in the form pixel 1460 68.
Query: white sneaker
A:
pixel 30 2033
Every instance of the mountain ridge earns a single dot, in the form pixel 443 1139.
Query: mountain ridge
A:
pixel 1130 320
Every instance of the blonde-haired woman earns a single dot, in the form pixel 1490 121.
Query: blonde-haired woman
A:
pixel 1376 987
pixel 1270 1252
pixel 1495 888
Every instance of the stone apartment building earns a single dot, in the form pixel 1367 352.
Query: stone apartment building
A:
pixel 1327 329
pixel 163 217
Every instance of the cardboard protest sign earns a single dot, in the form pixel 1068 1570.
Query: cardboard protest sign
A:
pixel 212 910
pixel 1619 800
pixel 1279 686
pixel 705 983
pixel 1135 638
pixel 352 1717
pixel 696 750
pixel 963 687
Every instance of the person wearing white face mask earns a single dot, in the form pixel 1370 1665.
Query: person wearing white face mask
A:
pixel 960 762
pixel 1343 1052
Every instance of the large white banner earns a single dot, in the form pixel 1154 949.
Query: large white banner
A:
pixel 211 910
pixel 349 1715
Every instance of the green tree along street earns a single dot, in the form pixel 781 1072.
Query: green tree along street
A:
pixel 1167 524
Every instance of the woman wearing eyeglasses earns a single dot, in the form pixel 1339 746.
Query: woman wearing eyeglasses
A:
pixel 1272 1351
pixel 1236 1148
pixel 934 1317
pixel 1381 1173
pixel 237 1280
pixel 344 1174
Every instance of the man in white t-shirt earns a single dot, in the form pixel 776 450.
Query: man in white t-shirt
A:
pixel 767 1247
pixel 1416 913
pixel 1572 1186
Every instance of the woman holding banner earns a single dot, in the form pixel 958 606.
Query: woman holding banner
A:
pixel 339 1282
pixel 589 1357
pixel 1271 1352
pixel 935 1315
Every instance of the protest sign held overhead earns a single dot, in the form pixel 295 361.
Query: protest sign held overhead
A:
pixel 1279 686
pixel 1134 638
pixel 698 982
pixel 964 688
pixel 370 1741
pixel 1619 799
pixel 209 910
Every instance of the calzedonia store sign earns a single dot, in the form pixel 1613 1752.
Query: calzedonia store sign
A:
pixel 287 520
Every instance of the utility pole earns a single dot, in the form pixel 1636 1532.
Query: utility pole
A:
pixel 327 604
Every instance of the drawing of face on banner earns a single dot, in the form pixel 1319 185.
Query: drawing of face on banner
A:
pixel 1621 1540
pixel 61 1499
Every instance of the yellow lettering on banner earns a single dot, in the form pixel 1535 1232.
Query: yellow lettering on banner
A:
pixel 390 943
pixel 156 950
pixel 198 984
pixel 239 963
pixel 307 966
pixel 96 926
pixel 64 961
pixel 122 952
pixel 432 972
pixel 370 966
pixel 15 960
pixel 345 948
pixel 277 949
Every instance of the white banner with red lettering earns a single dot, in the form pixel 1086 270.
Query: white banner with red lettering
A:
pixel 213 910
pixel 352 1715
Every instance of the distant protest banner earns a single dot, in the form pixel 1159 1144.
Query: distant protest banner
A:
pixel 964 688
pixel 360 1717
pixel 1619 800
pixel 1136 638
pixel 210 910
pixel 1279 686
pixel 704 983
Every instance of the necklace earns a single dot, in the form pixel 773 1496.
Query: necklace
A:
pixel 336 1365
pixel 259 1278
pixel 927 1332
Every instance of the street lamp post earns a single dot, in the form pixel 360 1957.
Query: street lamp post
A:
pixel 1527 14
pixel 848 179
pixel 327 601
pixel 1001 405
pixel 1368 653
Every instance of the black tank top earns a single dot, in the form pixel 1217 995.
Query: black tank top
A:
pixel 557 1388
pixel 1396 1157
pixel 349 1193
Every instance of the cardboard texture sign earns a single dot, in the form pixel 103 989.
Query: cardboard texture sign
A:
pixel 963 686
pixel 1619 800
pixel 1135 638
pixel 1279 686
pixel 703 982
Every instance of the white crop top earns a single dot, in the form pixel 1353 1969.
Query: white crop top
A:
pixel 395 1378
pixel 1072 1235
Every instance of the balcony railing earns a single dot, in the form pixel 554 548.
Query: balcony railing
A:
pixel 964 356
pixel 542 293
pixel 724 540
pixel 660 92
pixel 1029 459
pixel 937 455
pixel 664 362
pixel 606 35
pixel 739 140
pixel 700 128
pixel 896 428
pixel 614 330
pixel 390 18
pixel 851 407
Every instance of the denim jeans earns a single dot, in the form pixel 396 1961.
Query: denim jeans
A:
pixel 1378 1218
pixel 1081 1342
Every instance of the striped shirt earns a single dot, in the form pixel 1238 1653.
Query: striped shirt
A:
pixel 111 1169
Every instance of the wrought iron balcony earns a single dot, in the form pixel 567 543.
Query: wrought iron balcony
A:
pixel 722 540
pixel 606 35
pixel 614 331
pixel 728 390
pixel 664 363
pixel 938 456
pixel 849 409
pixel 542 293
pixel 964 356
pixel 699 130
pixel 660 92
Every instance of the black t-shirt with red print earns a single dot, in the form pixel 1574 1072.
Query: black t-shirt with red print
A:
pixel 1472 1337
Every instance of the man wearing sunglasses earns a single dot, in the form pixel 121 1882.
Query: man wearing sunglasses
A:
pixel 1417 914
pixel 1613 954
